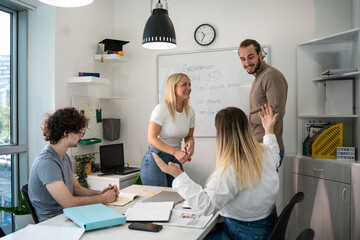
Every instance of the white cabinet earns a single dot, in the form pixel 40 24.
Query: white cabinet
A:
pixel 332 201
pixel 339 51
pixel 100 182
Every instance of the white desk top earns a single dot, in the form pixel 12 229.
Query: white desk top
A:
pixel 122 231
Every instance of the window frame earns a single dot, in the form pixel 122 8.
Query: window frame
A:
pixel 18 147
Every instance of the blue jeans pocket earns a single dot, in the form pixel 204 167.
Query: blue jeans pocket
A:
pixel 259 229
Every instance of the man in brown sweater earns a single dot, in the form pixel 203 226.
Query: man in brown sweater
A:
pixel 269 87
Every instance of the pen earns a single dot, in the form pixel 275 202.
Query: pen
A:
pixel 189 159
pixel 148 192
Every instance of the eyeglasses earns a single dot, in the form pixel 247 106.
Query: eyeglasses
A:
pixel 82 131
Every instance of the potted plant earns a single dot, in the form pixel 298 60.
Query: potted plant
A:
pixel 83 168
pixel 21 213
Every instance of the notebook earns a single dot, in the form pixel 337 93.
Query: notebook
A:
pixel 165 196
pixel 112 160
pixel 150 211
pixel 94 216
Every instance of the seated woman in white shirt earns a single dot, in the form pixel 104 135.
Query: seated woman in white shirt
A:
pixel 245 182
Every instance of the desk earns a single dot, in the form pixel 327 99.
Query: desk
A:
pixel 100 182
pixel 122 231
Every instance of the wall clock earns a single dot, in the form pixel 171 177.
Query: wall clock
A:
pixel 204 34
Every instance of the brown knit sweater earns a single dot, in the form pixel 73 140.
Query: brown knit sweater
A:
pixel 269 87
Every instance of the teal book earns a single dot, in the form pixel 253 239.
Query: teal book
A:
pixel 94 216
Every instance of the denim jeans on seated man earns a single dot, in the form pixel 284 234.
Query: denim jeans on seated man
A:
pixel 234 229
pixel 151 174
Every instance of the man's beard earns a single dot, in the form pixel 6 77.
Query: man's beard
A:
pixel 256 68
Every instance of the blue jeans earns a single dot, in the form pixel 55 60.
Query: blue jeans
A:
pixel 151 174
pixel 241 230
pixel 281 159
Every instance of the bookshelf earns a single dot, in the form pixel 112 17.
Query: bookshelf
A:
pixel 338 51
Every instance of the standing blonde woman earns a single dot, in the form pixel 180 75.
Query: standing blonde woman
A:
pixel 245 182
pixel 170 123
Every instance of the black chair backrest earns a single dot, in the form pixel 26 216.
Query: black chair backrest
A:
pixel 2 234
pixel 307 234
pixel 25 194
pixel 279 230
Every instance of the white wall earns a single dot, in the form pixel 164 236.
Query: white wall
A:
pixel 281 24
pixel 41 75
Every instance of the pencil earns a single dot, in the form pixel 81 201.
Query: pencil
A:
pixel 147 192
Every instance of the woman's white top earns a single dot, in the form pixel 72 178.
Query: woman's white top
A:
pixel 172 132
pixel 223 194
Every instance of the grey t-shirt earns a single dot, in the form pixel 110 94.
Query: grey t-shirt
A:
pixel 48 167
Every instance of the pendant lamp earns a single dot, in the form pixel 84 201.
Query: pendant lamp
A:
pixel 67 3
pixel 159 32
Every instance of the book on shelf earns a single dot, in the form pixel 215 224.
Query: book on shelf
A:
pixel 89 74
pixel 333 72
pixel 123 199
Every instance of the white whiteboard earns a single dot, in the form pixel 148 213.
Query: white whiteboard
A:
pixel 218 80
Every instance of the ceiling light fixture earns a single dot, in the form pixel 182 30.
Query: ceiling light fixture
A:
pixel 159 32
pixel 67 3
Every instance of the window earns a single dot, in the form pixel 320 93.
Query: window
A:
pixel 13 111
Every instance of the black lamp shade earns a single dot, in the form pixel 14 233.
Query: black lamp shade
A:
pixel 159 32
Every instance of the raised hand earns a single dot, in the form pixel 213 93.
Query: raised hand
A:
pixel 268 119
pixel 172 169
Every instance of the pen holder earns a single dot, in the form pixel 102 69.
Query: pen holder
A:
pixel 111 128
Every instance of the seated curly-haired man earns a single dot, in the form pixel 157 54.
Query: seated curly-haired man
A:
pixel 52 183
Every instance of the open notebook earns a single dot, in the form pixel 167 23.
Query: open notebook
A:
pixel 151 211
pixel 123 199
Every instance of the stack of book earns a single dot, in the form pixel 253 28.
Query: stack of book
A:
pixel 345 153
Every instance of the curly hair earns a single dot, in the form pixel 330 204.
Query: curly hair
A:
pixel 64 120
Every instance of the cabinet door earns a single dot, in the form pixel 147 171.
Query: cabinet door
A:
pixel 326 208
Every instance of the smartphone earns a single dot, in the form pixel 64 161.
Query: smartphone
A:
pixel 145 226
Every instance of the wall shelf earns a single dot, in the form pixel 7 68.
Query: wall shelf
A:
pixel 89 80
pixel 113 98
pixel 347 36
pixel 111 58
pixel 350 75
pixel 327 116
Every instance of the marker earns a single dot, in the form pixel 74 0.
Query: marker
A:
pixel 189 159
pixel 148 192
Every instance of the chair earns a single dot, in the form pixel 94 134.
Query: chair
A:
pixel 307 234
pixel 2 234
pixel 25 194
pixel 279 230
pixel 138 180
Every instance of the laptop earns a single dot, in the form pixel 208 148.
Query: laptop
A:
pixel 112 160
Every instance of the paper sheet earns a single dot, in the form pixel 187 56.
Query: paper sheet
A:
pixel 44 232
pixel 187 218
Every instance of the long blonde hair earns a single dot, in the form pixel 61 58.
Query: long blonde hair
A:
pixel 237 146
pixel 170 97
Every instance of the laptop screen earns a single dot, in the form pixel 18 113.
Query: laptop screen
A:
pixel 112 157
